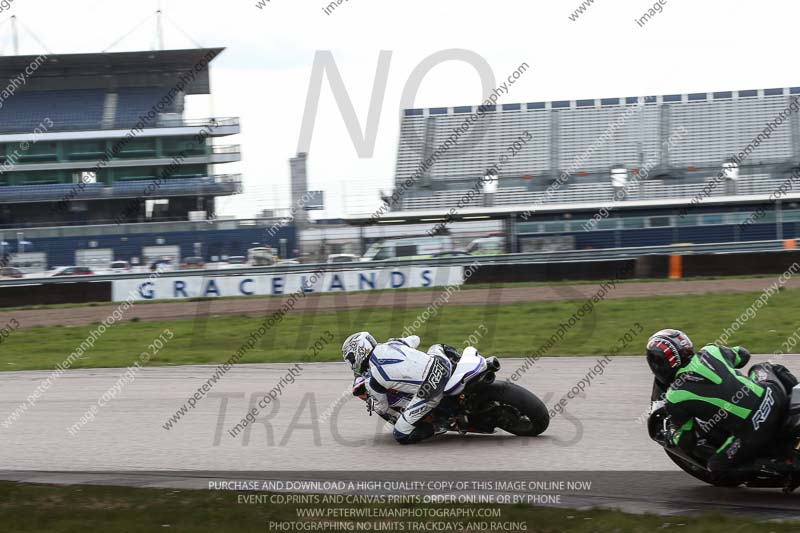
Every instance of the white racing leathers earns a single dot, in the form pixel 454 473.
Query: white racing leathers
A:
pixel 397 365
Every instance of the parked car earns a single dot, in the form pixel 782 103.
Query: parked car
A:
pixel 408 248
pixel 119 266
pixel 451 253
pixel 492 245
pixel 261 256
pixel 161 264
pixel 236 260
pixel 11 272
pixel 193 263
pixel 72 271
pixel 343 258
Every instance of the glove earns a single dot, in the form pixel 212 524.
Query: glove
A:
pixel 451 353
pixel 389 417
pixel 360 387
pixel 663 436
pixel 744 356
pixel 785 375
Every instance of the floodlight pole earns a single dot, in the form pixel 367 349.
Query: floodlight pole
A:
pixel 159 28
pixel 15 34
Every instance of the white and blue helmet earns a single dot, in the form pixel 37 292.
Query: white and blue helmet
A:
pixel 357 349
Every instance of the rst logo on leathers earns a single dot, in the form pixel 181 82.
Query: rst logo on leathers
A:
pixel 435 381
pixel 764 411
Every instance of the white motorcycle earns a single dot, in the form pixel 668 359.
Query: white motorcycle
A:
pixel 475 403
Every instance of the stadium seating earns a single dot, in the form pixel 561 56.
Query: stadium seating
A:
pixel 592 193
pixel 135 102
pixel 723 127
pixel 79 109
pixel 707 129
pixel 67 109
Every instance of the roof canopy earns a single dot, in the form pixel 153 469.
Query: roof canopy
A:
pixel 155 68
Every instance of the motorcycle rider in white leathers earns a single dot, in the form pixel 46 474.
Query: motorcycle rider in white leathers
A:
pixel 398 365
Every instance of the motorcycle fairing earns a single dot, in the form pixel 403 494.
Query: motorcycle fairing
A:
pixel 470 364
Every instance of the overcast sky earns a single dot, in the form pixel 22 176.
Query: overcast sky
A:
pixel 263 77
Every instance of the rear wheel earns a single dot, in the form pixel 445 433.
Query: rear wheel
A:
pixel 520 412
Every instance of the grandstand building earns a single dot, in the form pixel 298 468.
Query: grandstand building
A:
pixel 98 138
pixel 664 169
pixel 98 162
pixel 566 136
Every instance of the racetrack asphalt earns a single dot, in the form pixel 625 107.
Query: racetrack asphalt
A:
pixel 598 439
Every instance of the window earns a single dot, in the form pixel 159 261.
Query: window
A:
pixel 37 151
pixel 135 173
pixel 712 219
pixel 633 223
pixel 84 177
pixel 384 252
pixel 183 145
pixel 554 227
pixel 125 148
pixel 408 250
pixel 659 222
pixel 607 223
pixel 84 150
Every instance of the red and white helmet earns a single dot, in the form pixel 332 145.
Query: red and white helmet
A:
pixel 668 350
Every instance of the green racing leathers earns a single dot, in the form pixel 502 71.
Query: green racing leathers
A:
pixel 710 395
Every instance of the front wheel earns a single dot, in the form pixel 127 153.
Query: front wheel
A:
pixel 699 473
pixel 520 412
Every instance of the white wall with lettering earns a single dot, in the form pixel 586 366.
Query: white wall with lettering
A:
pixel 217 286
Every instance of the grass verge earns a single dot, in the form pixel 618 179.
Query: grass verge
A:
pixel 43 508
pixel 507 331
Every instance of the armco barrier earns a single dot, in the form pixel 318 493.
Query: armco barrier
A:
pixel 735 264
pixel 653 266
pixel 739 264
pixel 646 266
pixel 61 293
pixel 573 271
